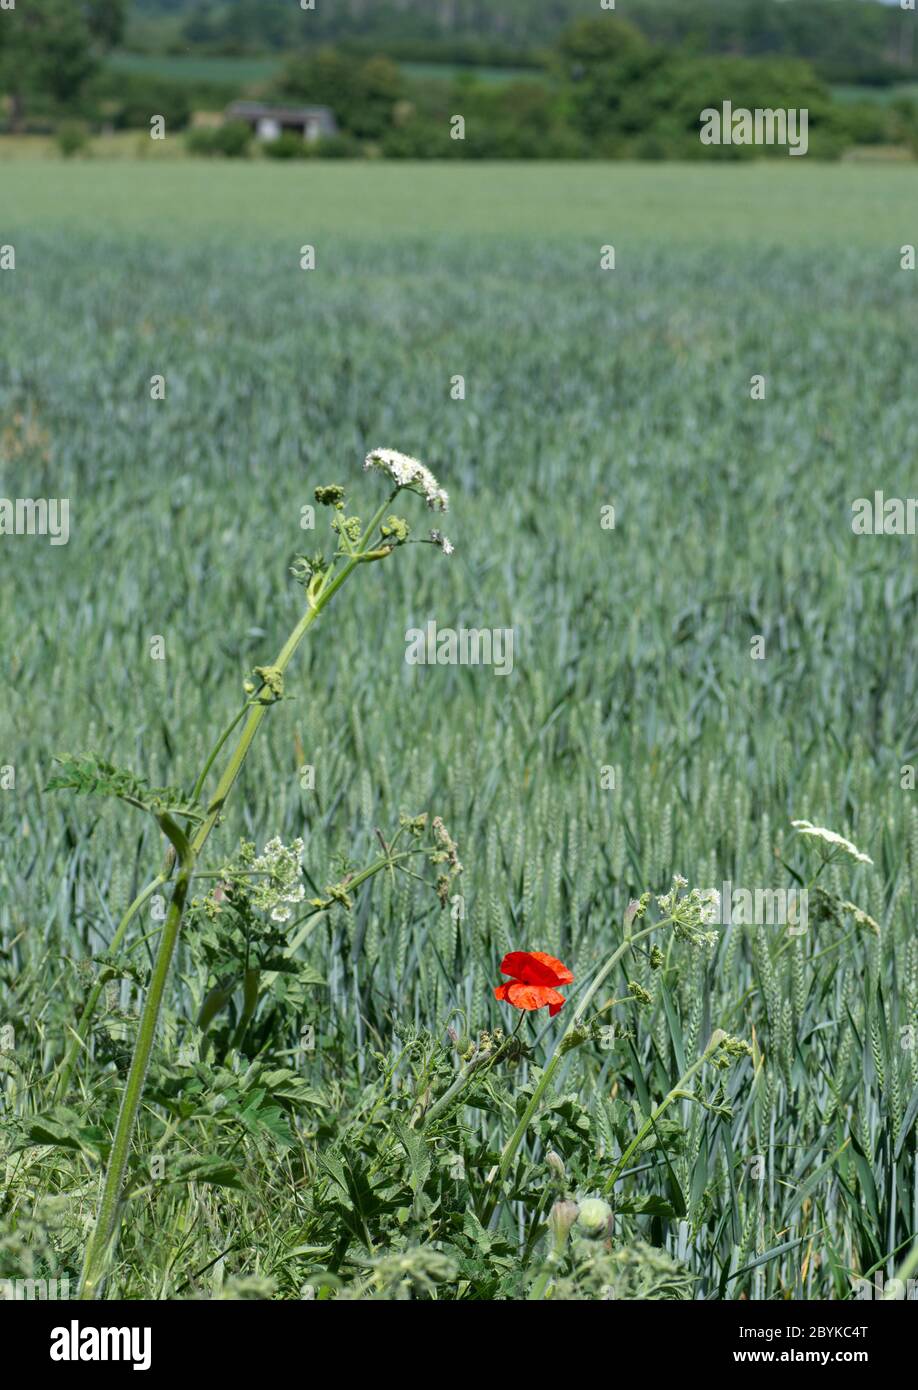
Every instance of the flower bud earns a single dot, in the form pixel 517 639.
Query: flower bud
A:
pixel 556 1164
pixel 561 1219
pixel 595 1219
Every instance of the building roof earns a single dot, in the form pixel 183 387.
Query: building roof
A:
pixel 254 110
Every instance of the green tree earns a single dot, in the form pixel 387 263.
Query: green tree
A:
pixel 602 60
pixel 49 49
pixel 361 92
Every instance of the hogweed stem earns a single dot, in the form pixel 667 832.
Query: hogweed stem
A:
pixel 322 589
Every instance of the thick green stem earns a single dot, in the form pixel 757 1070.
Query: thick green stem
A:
pixel 250 984
pixel 94 1260
pixel 78 1040
pixel 215 751
pixel 98 1247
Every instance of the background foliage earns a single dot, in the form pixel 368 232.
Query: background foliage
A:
pixel 541 79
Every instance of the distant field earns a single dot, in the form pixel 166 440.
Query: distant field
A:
pixel 451 71
pixel 193 68
pixel 622 204
pixel 878 94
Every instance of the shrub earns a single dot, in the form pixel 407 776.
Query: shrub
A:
pixel 134 98
pixel 231 140
pixel 72 139
pixel 289 146
pixel 341 146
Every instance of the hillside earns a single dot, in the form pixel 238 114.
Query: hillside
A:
pixel 846 40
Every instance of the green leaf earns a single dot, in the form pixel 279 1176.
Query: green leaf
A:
pixel 283 1084
pixel 208 1168
pixel 64 1129
pixel 418 1156
pixel 911 1115
pixel 650 1205
pixel 94 776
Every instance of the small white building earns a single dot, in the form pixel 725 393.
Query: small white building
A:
pixel 270 122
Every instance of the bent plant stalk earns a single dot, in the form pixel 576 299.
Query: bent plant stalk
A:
pixel 678 1092
pixel 321 590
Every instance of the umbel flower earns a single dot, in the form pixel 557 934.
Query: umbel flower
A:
pixel 831 837
pixel 409 472
pixel 536 977
pixel 278 883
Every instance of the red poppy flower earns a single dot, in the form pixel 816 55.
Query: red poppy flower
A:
pixel 536 977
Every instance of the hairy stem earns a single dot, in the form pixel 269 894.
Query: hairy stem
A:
pixel 94 1259
pixel 78 1040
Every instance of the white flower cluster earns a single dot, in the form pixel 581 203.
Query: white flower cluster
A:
pixel 282 884
pixel 406 471
pixel 830 837
pixel 691 912
pixel 444 542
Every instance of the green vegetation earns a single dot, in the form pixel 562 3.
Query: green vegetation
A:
pixel 330 1132
pixel 50 52
pixel 596 86
pixel 198 70
pixel 757 205
pixel 846 40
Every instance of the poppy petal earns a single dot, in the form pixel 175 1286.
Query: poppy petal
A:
pixel 563 976
pixel 523 996
pixel 536 968
pixel 500 991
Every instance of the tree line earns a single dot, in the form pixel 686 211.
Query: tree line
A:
pixel 845 40
pixel 605 88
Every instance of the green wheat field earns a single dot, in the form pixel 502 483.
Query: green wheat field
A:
pixel 293 1159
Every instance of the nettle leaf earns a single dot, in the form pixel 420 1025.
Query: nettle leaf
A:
pixel 64 1129
pixel 473 1230
pixel 650 1205
pixel 287 965
pixel 90 775
pixel 283 1084
pixel 207 1168
pixel 335 1170
pixel 418 1156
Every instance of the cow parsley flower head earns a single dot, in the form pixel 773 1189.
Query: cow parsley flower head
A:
pixel 691 913
pixel 406 471
pixel 281 885
pixel 830 837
